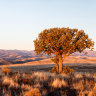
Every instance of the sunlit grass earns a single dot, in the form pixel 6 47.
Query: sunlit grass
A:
pixel 48 84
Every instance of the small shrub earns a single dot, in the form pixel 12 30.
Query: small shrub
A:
pixel 79 85
pixel 25 81
pixel 26 87
pixel 33 92
pixel 6 71
pixel 93 92
pixel 10 82
pixel 57 83
pixel 78 75
pixel 41 75
pixel 66 70
pixel 54 70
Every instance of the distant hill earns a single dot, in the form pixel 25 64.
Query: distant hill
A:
pixel 89 53
pixel 17 52
pixel 15 56
pixel 23 56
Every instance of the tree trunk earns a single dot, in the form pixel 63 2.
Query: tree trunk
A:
pixel 60 64
pixel 57 67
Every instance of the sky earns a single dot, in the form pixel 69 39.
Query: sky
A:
pixel 22 20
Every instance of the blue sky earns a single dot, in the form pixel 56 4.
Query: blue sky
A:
pixel 22 20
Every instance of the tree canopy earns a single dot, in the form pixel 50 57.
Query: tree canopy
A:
pixel 62 42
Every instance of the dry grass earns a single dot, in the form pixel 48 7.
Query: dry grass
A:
pixel 57 83
pixel 48 84
pixel 33 92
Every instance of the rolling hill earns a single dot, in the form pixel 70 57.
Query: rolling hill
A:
pixel 23 56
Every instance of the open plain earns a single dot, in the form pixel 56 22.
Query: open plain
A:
pixel 78 63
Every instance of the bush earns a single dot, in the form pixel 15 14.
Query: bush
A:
pixel 57 83
pixel 66 70
pixel 33 92
pixel 6 71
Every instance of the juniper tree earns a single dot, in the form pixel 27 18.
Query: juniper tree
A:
pixel 62 42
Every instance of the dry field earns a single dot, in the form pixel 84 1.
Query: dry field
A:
pixel 79 63
pixel 33 79
pixel 48 84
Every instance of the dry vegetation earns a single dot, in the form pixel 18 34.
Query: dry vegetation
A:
pixel 47 84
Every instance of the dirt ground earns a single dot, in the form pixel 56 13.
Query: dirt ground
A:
pixel 78 63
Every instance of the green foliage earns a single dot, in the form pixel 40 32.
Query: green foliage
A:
pixel 66 70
